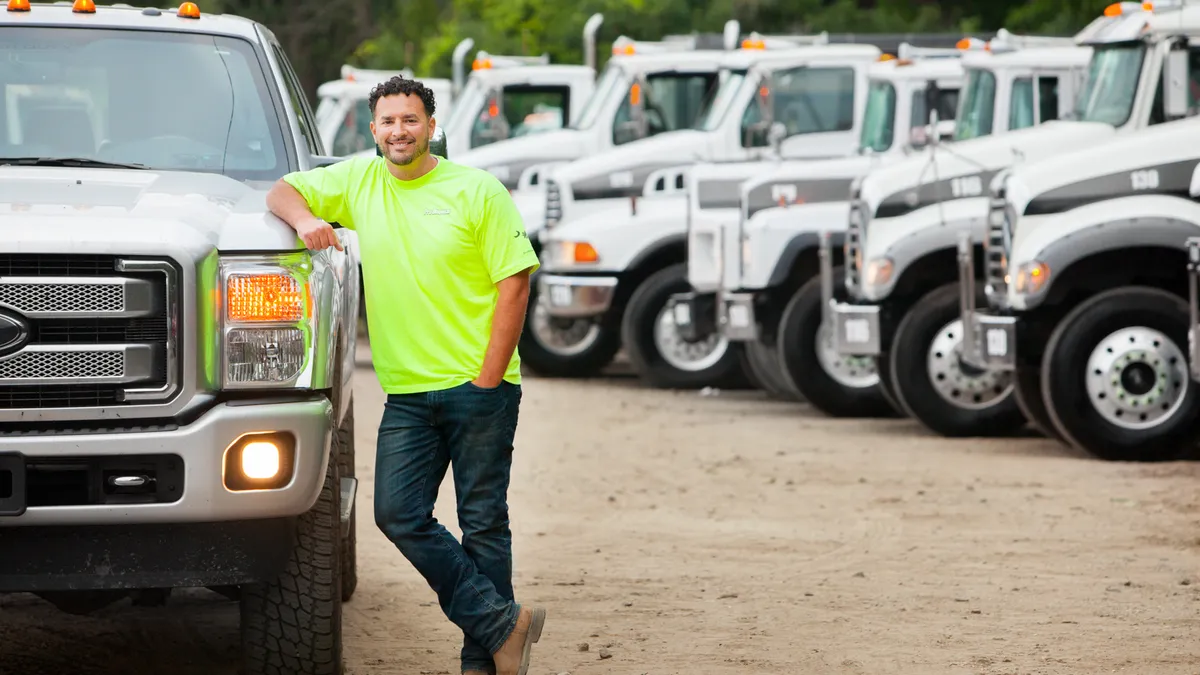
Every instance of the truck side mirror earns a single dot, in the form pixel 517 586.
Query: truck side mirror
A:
pixel 637 127
pixel 437 143
pixel 776 133
pixel 1175 83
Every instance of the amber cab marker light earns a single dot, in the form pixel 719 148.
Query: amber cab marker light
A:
pixel 18 5
pixel 84 7
pixel 189 10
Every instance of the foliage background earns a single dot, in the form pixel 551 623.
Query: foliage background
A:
pixel 321 35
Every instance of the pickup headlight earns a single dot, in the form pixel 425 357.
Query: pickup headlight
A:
pixel 267 315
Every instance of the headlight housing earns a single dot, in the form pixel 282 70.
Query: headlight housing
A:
pixel 267 319
pixel 1031 277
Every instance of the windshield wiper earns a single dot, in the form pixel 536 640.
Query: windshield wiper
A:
pixel 67 161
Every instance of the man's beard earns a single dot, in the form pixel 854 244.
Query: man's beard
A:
pixel 405 157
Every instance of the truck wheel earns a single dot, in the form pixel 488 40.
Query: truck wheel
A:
pixel 1027 389
pixel 293 623
pixel 1115 377
pixel 554 347
pixel 660 356
pixel 763 365
pixel 887 386
pixel 942 392
pixel 344 444
pixel 834 384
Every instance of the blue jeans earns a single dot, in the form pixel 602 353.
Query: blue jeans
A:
pixel 472 430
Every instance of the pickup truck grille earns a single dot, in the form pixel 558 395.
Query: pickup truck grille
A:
pixel 852 249
pixel 995 250
pixel 98 331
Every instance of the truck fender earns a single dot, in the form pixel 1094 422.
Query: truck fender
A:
pixel 796 247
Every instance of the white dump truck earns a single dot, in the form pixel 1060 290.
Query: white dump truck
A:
pixel 614 251
pixel 343 117
pixel 901 272
pixel 742 235
pixel 1082 294
pixel 176 390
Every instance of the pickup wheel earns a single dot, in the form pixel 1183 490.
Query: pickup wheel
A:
pixel 1115 377
pixel 836 385
pixel 344 445
pixel 947 395
pixel 553 347
pixel 661 357
pixel 293 624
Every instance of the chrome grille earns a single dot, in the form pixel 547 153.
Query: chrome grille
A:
pixel 852 248
pixel 35 297
pixel 101 331
pixel 995 250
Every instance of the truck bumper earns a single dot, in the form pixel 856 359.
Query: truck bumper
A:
pixel 187 474
pixel 576 297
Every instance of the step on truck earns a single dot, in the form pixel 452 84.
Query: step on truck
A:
pixel 176 401
pixel 615 245
pixel 902 275
pixel 1084 286
pixel 730 260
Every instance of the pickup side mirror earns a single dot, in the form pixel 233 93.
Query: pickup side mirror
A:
pixel 1175 83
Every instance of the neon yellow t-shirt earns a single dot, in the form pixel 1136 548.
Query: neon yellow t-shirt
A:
pixel 433 250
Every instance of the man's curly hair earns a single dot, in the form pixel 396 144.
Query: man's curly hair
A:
pixel 399 85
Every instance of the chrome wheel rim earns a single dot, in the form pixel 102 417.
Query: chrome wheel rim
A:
pixel 958 384
pixel 1137 378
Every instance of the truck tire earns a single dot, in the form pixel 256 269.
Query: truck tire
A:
pixel 293 624
pixel 946 395
pixel 344 444
pixel 656 349
pixel 1027 388
pixel 1115 377
pixel 887 387
pixel 763 366
pixel 565 348
pixel 833 384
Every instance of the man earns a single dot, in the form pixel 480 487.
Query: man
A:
pixel 446 267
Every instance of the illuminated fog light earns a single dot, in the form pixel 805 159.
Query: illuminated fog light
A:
pixel 260 460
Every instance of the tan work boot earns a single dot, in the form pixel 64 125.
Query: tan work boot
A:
pixel 513 656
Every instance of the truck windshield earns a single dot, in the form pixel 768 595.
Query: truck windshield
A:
pixel 602 92
pixel 978 106
pixel 164 100
pixel 1111 85
pixel 719 105
pixel 879 119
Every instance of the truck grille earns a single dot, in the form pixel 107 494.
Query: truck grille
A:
pixel 99 331
pixel 852 248
pixel 995 251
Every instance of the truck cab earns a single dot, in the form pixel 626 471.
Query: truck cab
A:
pixel 343 116
pixel 176 399
pixel 615 247
pixel 1083 270
pixel 747 257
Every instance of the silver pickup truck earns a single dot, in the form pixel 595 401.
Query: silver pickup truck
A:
pixel 176 406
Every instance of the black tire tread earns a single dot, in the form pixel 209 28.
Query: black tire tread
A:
pixel 344 445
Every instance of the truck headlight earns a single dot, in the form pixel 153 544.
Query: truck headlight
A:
pixel 267 316
pixel 1031 277
pixel 878 272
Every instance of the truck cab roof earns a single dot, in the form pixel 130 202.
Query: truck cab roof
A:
pixel 62 14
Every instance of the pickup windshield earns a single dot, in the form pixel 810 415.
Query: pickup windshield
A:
pixel 978 107
pixel 1111 86
pixel 163 100
pixel 878 126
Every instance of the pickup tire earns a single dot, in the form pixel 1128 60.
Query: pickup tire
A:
pixel 343 444
pixel 293 624
pixel 855 392
pixel 941 392
pixel 1115 377
pixel 640 335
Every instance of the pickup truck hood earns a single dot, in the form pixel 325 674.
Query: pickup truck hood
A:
pixel 173 208
pixel 918 181
pixel 639 158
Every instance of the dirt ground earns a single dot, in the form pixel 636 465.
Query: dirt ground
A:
pixel 726 534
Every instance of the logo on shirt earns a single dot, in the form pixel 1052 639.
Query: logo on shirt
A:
pixel 520 233
pixel 437 212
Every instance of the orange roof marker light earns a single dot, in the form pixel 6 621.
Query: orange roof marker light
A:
pixel 84 7
pixel 754 42
pixel 1118 8
pixel 18 5
pixel 189 10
